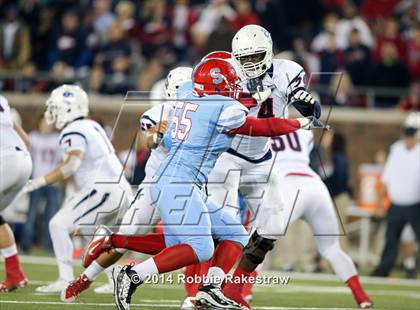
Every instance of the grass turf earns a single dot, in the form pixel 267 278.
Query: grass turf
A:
pixel 297 294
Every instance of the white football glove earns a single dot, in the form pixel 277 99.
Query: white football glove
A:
pixel 303 95
pixel 33 185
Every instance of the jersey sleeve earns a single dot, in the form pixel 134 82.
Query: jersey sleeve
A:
pixel 73 140
pixel 151 117
pixel 5 116
pixel 232 116
pixel 296 79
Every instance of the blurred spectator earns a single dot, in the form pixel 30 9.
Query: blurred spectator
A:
pixel 103 18
pixel 28 82
pixel 182 18
pixel 331 59
pixel 341 88
pixel 305 58
pixel 245 15
pixel 412 101
pixel 115 58
pixel 320 42
pixel 68 43
pixel 209 19
pixel 352 21
pixel 390 35
pixel 125 17
pixel 389 72
pixel 155 27
pixel 45 156
pixel 357 59
pixel 378 8
pixel 413 55
pixel 150 74
pixel 401 179
pixel 220 39
pixel 15 48
pixel 42 34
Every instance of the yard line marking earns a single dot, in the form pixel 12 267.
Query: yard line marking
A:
pixel 150 305
pixel 45 260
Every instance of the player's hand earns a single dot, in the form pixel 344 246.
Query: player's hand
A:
pixel 311 122
pixel 161 127
pixel 303 100
pixel 262 95
pixel 32 185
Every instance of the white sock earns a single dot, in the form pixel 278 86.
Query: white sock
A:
pixel 93 271
pixel 409 263
pixel 120 250
pixel 9 251
pixel 146 268
pixel 108 272
pixel 215 276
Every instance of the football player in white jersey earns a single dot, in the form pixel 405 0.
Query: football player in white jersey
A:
pixel 97 172
pixel 15 170
pixel 247 165
pixel 142 216
pixel 306 197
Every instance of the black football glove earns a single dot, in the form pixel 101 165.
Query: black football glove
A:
pixel 306 104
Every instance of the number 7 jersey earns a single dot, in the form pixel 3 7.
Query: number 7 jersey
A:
pixel 99 162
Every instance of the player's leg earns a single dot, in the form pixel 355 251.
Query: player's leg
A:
pixel 396 221
pixel 269 223
pixel 320 215
pixel 15 171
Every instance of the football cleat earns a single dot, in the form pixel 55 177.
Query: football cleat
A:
pixel 105 289
pixel 11 283
pixel 188 304
pixel 366 304
pixel 211 297
pixel 126 282
pixel 53 288
pixel 73 290
pixel 101 242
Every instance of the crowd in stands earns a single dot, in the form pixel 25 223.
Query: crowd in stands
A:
pixel 109 46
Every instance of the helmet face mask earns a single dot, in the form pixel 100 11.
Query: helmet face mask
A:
pixel 252 49
pixel 216 77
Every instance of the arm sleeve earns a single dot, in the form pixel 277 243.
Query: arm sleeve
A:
pixel 267 127
pixel 231 117
pixel 151 117
pixel 73 141
pixel 387 169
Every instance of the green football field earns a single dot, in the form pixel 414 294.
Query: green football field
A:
pixel 302 292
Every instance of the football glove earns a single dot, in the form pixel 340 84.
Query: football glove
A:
pixel 311 122
pixel 306 104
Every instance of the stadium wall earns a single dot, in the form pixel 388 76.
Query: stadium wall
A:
pixel 366 130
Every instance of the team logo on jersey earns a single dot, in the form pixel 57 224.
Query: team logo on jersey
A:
pixel 215 74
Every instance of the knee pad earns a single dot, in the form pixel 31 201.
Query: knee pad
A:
pixel 2 220
pixel 255 243
pixel 204 249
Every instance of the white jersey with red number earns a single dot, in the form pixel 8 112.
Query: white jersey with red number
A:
pixel 99 163
pixel 292 153
pixel 160 112
pixel 8 136
pixel 283 78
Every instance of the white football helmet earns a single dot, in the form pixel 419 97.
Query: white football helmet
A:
pixel 413 121
pixel 252 48
pixel 65 104
pixel 176 77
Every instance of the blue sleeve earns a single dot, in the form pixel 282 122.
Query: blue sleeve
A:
pixel 167 139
